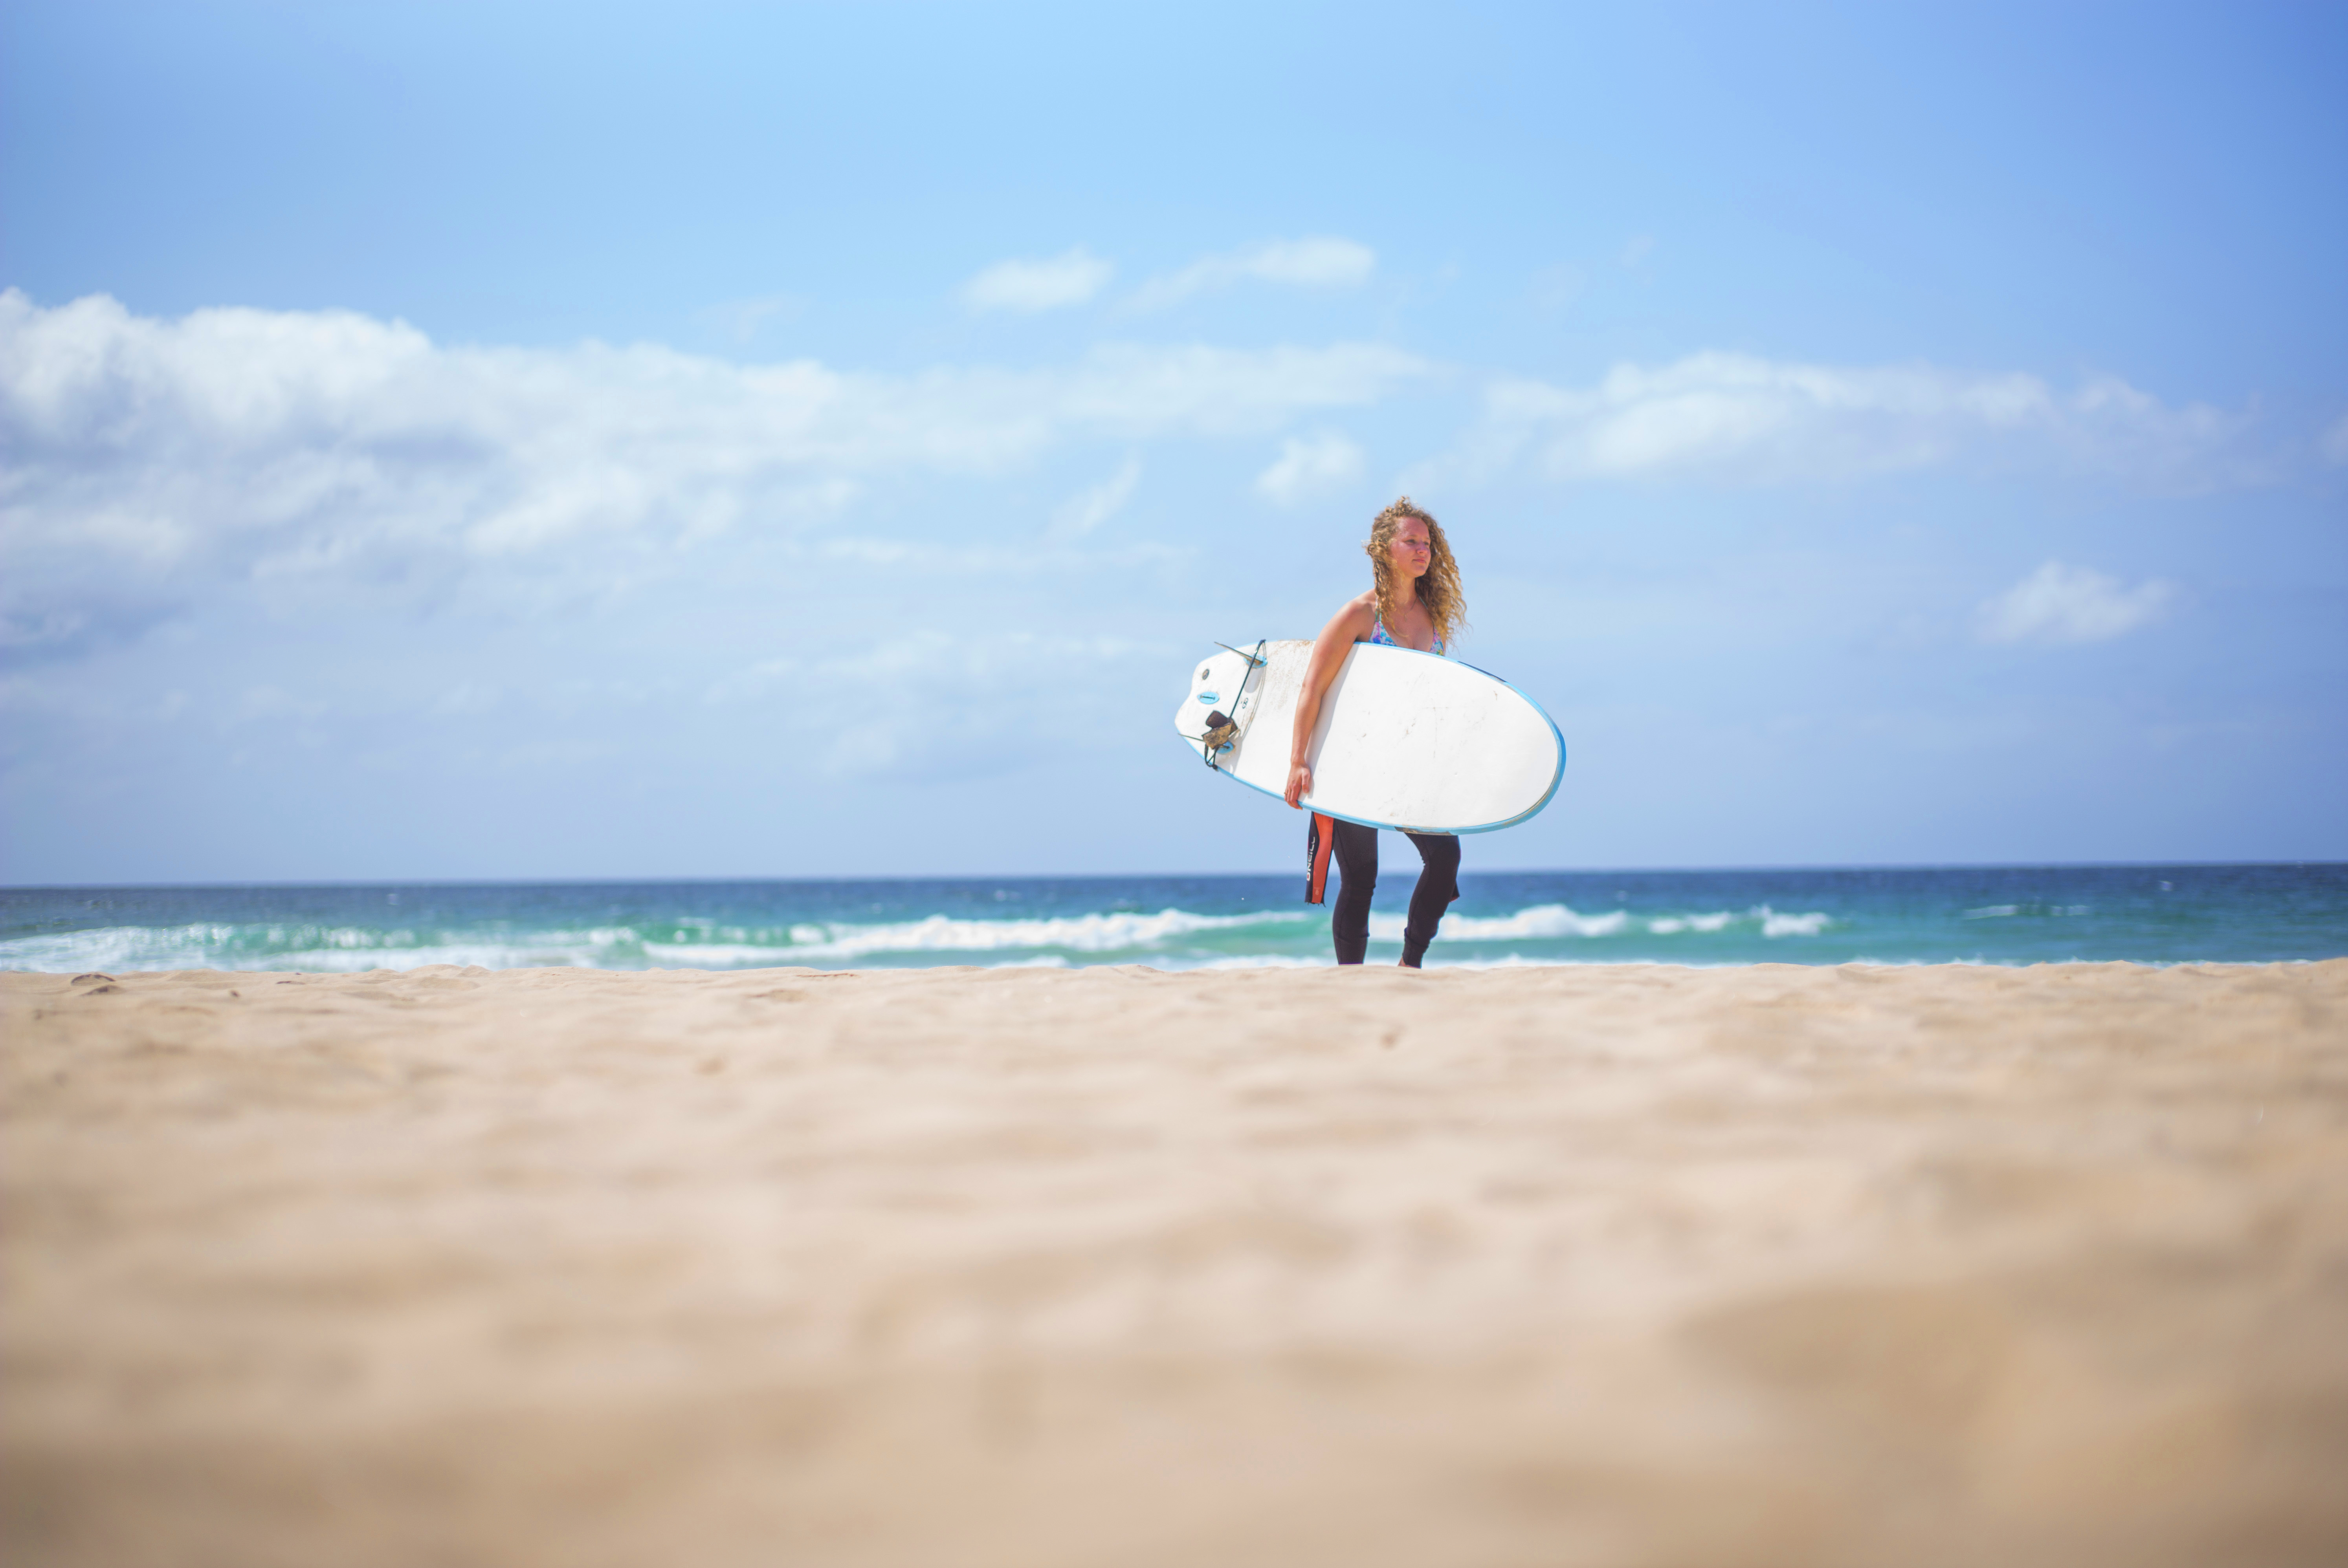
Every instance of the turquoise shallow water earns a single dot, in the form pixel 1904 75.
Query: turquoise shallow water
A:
pixel 2011 914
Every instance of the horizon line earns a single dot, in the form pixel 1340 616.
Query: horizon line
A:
pixel 7 887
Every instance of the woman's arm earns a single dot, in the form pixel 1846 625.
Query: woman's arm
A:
pixel 1345 628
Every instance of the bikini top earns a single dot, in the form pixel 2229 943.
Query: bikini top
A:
pixel 1378 634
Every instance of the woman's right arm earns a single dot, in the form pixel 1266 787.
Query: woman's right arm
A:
pixel 1345 628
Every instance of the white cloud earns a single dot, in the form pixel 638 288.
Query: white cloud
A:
pixel 1739 419
pixel 273 444
pixel 1069 278
pixel 1318 263
pixel 1015 559
pixel 1309 465
pixel 1090 508
pixel 927 706
pixel 2060 603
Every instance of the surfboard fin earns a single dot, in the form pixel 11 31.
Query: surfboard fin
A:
pixel 1253 659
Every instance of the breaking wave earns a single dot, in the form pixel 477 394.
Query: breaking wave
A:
pixel 1555 922
pixel 1169 938
pixel 2008 914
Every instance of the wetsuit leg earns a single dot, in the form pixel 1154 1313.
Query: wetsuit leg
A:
pixel 1357 878
pixel 1439 884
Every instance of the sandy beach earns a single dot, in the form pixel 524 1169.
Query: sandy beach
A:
pixel 1605 1266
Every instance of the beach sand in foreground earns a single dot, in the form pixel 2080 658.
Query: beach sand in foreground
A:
pixel 1605 1266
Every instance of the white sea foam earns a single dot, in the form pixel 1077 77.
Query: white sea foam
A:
pixel 1542 921
pixel 1673 925
pixel 1245 962
pixel 715 955
pixel 1169 938
pixel 107 948
pixel 342 951
pixel 1105 933
pixel 1555 922
pixel 2007 911
pixel 1776 925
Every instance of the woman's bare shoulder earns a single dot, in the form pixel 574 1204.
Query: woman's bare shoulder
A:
pixel 1355 616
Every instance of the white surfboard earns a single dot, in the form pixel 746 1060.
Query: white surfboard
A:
pixel 1405 740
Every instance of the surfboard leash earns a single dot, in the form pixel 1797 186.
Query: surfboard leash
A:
pixel 1223 729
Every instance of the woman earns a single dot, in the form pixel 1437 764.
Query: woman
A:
pixel 1414 602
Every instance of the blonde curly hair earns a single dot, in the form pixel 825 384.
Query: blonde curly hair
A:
pixel 1438 586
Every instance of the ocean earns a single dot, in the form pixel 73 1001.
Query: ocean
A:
pixel 1990 915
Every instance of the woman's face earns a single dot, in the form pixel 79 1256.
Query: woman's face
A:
pixel 1410 550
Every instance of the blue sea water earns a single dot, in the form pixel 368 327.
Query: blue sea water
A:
pixel 2015 915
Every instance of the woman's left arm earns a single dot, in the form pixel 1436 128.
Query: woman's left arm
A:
pixel 1345 628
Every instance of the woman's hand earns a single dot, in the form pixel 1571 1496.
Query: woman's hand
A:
pixel 1300 784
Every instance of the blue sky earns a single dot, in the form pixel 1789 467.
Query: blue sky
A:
pixel 693 440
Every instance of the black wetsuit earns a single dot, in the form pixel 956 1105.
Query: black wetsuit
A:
pixel 1358 874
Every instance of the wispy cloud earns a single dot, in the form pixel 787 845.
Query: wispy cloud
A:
pixel 1069 278
pixel 741 320
pixel 146 453
pixel 1317 263
pixel 1310 464
pixel 1733 418
pixel 2059 604
pixel 1090 507
pixel 1555 287
pixel 925 706
pixel 1018 559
